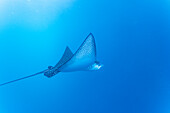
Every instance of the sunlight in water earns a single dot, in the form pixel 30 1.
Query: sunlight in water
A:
pixel 32 13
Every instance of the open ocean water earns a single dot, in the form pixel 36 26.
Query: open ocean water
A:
pixel 133 43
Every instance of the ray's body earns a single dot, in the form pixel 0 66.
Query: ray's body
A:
pixel 83 59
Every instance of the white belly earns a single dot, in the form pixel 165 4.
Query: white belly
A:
pixel 78 66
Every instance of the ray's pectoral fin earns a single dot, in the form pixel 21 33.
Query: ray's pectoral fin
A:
pixel 54 70
pixel 83 57
pixel 66 56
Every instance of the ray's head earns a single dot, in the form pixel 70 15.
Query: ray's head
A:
pixel 96 66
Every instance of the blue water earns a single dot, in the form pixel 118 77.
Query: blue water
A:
pixel 133 43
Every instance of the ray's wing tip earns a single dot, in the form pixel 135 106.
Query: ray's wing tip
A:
pixel 90 34
pixel 67 47
pixel 90 37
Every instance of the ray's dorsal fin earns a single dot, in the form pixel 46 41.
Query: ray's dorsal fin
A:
pixel 66 56
pixel 84 56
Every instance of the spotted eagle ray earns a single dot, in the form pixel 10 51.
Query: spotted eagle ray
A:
pixel 84 59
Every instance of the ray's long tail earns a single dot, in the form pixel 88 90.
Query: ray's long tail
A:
pixel 23 78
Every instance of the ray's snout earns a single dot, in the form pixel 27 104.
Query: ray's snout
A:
pixel 96 66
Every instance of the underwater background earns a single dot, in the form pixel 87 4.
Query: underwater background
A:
pixel 133 44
